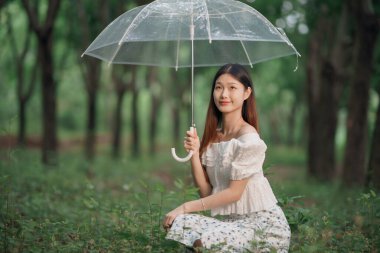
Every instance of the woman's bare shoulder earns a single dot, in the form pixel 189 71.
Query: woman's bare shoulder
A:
pixel 246 129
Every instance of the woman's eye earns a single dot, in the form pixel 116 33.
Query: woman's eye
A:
pixel 233 87
pixel 217 87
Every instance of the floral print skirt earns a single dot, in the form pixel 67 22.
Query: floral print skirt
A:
pixel 263 231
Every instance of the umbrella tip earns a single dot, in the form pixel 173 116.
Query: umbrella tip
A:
pixel 82 55
pixel 295 69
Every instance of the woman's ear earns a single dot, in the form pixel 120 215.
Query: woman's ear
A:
pixel 247 93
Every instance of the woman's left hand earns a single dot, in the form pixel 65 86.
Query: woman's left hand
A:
pixel 170 216
pixel 192 142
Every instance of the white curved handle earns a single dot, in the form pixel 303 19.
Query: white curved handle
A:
pixel 179 159
pixel 189 155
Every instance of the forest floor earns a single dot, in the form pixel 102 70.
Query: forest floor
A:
pixel 117 205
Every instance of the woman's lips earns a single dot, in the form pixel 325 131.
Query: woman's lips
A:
pixel 224 103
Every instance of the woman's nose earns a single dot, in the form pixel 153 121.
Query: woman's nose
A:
pixel 224 93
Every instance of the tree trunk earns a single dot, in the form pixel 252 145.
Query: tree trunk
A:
pixel 274 131
pixel 88 22
pixel 176 126
pixel 92 79
pixel 155 91
pixel 44 34
pixel 22 96
pixel 291 124
pixel 135 125
pixel 2 4
pixel 373 176
pixel 153 124
pixel 118 122
pixel 313 91
pixel 121 86
pixel 328 112
pixel 324 90
pixel 366 32
pixel 49 103
pixel 91 124
pixel 135 117
pixel 21 123
pixel 175 107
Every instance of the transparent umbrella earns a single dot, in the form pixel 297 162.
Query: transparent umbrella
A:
pixel 190 33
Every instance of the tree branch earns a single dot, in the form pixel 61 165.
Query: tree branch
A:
pixel 51 14
pixel 32 16
pixel 32 82
pixel 83 24
pixel 25 49
pixel 103 15
pixel 11 36
pixel 2 4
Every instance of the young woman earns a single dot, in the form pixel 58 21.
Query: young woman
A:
pixel 227 169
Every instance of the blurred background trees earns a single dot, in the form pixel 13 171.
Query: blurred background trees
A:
pixel 328 107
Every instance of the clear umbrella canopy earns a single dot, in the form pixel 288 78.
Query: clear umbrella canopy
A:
pixel 190 33
pixel 161 34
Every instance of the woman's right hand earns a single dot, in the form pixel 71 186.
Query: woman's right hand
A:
pixel 192 142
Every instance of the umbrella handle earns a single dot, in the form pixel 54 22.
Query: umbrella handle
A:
pixel 189 155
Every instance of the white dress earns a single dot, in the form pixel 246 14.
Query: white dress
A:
pixel 255 223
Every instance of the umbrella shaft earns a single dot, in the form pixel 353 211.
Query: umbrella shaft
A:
pixel 192 83
pixel 192 29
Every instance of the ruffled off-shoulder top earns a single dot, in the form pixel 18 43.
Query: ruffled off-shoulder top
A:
pixel 237 159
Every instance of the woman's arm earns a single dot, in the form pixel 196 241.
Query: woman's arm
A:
pixel 231 194
pixel 199 175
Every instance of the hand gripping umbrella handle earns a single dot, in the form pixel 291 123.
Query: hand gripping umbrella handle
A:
pixel 189 155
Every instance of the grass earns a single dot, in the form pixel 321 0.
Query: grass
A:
pixel 117 206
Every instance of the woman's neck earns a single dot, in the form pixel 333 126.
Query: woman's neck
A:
pixel 231 123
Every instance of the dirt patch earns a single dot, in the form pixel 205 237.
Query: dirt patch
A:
pixel 10 141
pixel 35 142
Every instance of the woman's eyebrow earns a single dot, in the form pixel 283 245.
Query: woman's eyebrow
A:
pixel 231 83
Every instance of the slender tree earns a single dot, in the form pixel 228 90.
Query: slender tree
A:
pixel 44 33
pixel 325 82
pixel 180 85
pixel 373 176
pixel 135 91
pixel 24 88
pixel 373 172
pixel 119 77
pixel 155 91
pixel 92 17
pixel 366 32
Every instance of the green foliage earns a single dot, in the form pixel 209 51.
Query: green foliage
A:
pixel 118 206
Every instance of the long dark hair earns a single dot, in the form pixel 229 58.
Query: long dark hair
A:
pixel 214 116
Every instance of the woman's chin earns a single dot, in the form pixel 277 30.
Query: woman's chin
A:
pixel 226 109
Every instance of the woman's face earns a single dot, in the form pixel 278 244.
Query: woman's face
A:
pixel 229 94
